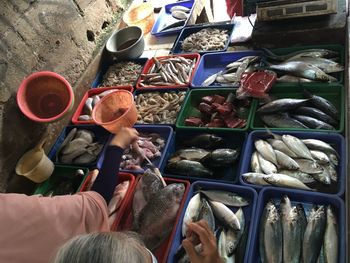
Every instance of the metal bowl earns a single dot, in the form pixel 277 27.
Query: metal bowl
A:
pixel 126 43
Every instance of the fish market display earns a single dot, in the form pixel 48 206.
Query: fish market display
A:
pixel 210 161
pixel 149 145
pixel 231 75
pixel 79 148
pixel 205 40
pixel 168 71
pixel 220 112
pixel 121 73
pixel 117 199
pixel 180 15
pixel 287 161
pixel 209 205
pixel 90 103
pixel 155 208
pixel 313 112
pixel 287 235
pixel 159 107
pixel 306 65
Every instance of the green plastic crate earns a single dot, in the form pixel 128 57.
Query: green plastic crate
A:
pixel 332 92
pixel 192 101
pixel 338 48
pixel 60 174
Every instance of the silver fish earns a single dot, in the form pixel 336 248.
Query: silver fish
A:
pixel 331 241
pixel 320 157
pixel 266 166
pixel 314 53
pixel 222 248
pixel 254 163
pixel 179 8
pixel 225 215
pixel 205 213
pixel 327 65
pixel 178 14
pixel 282 147
pixel 294 79
pixel 283 180
pixel 297 146
pixel 279 105
pixel 324 177
pixel 330 169
pixel 309 167
pixel 314 144
pixel 255 178
pixel 192 154
pixel 88 105
pixel 210 80
pixel 285 161
pixel 281 120
pixel 303 177
pixel 225 197
pixel 191 212
pixel 233 236
pixel 266 151
pixel 333 159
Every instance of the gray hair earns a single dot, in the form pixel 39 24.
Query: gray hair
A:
pixel 111 247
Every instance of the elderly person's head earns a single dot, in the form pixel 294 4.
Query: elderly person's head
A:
pixel 112 247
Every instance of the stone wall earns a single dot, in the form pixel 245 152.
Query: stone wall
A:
pixel 64 36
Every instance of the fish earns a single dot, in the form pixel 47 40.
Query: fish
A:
pixel 84 117
pixel 285 161
pixel 302 219
pixel 330 169
pixel 189 168
pixel 205 141
pixel 280 105
pixel 178 14
pixel 331 240
pixel 327 65
pixel 86 135
pixel 333 158
pixel 294 79
pixel 281 120
pixel 241 247
pixel 312 123
pixel 314 144
pixel 226 197
pixel 324 177
pixel 303 177
pixel 205 213
pixel 303 70
pixel 266 151
pixel 320 157
pixel 314 53
pixel 271 235
pixel 313 236
pixel 88 105
pixel 297 146
pixel 233 236
pixel 173 25
pixel 282 147
pixel 222 248
pixel 191 154
pixel 309 166
pixel 322 104
pixel 180 8
pixel 68 138
pixel 254 163
pixel 317 114
pixel 266 166
pixel 158 217
pixel 191 213
pixel 210 80
pixel 225 215
pixel 220 158
pixel 283 180
pixel 255 178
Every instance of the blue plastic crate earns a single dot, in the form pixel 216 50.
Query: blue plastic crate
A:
pixel 165 18
pixel 307 199
pixel 101 135
pixel 337 141
pixel 176 49
pixel 136 92
pixel 214 62
pixel 166 132
pixel 107 63
pixel 233 140
pixel 249 211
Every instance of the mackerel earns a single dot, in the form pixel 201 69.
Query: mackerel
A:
pixel 297 146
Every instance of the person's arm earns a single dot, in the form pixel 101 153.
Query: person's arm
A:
pixel 107 179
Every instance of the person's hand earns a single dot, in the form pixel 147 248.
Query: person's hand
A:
pixel 124 137
pixel 209 253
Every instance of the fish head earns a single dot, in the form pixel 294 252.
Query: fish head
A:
pixel 176 191
pixel 325 77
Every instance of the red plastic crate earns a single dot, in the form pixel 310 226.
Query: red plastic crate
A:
pixel 90 93
pixel 125 223
pixel 150 63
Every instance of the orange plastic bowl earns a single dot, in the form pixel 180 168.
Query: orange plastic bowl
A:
pixel 116 110
pixel 45 96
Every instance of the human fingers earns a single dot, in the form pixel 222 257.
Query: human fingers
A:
pixel 202 233
pixel 205 225
pixel 191 252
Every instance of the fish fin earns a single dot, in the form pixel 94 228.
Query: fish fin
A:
pixel 275 136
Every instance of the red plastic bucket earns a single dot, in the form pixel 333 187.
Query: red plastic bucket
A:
pixel 45 96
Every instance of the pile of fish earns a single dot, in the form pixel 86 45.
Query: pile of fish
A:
pixel 168 71
pixel 159 107
pixel 121 73
pixel 205 40
pixel 79 148
pixel 231 75
pixel 287 161
pixel 202 156
pixel 306 65
pixel 313 112
pixel 154 208
pixel 90 103
pixel 180 13
pixel 220 112
pixel 288 235
pixel 215 207
pixel 148 145
pixel 117 199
